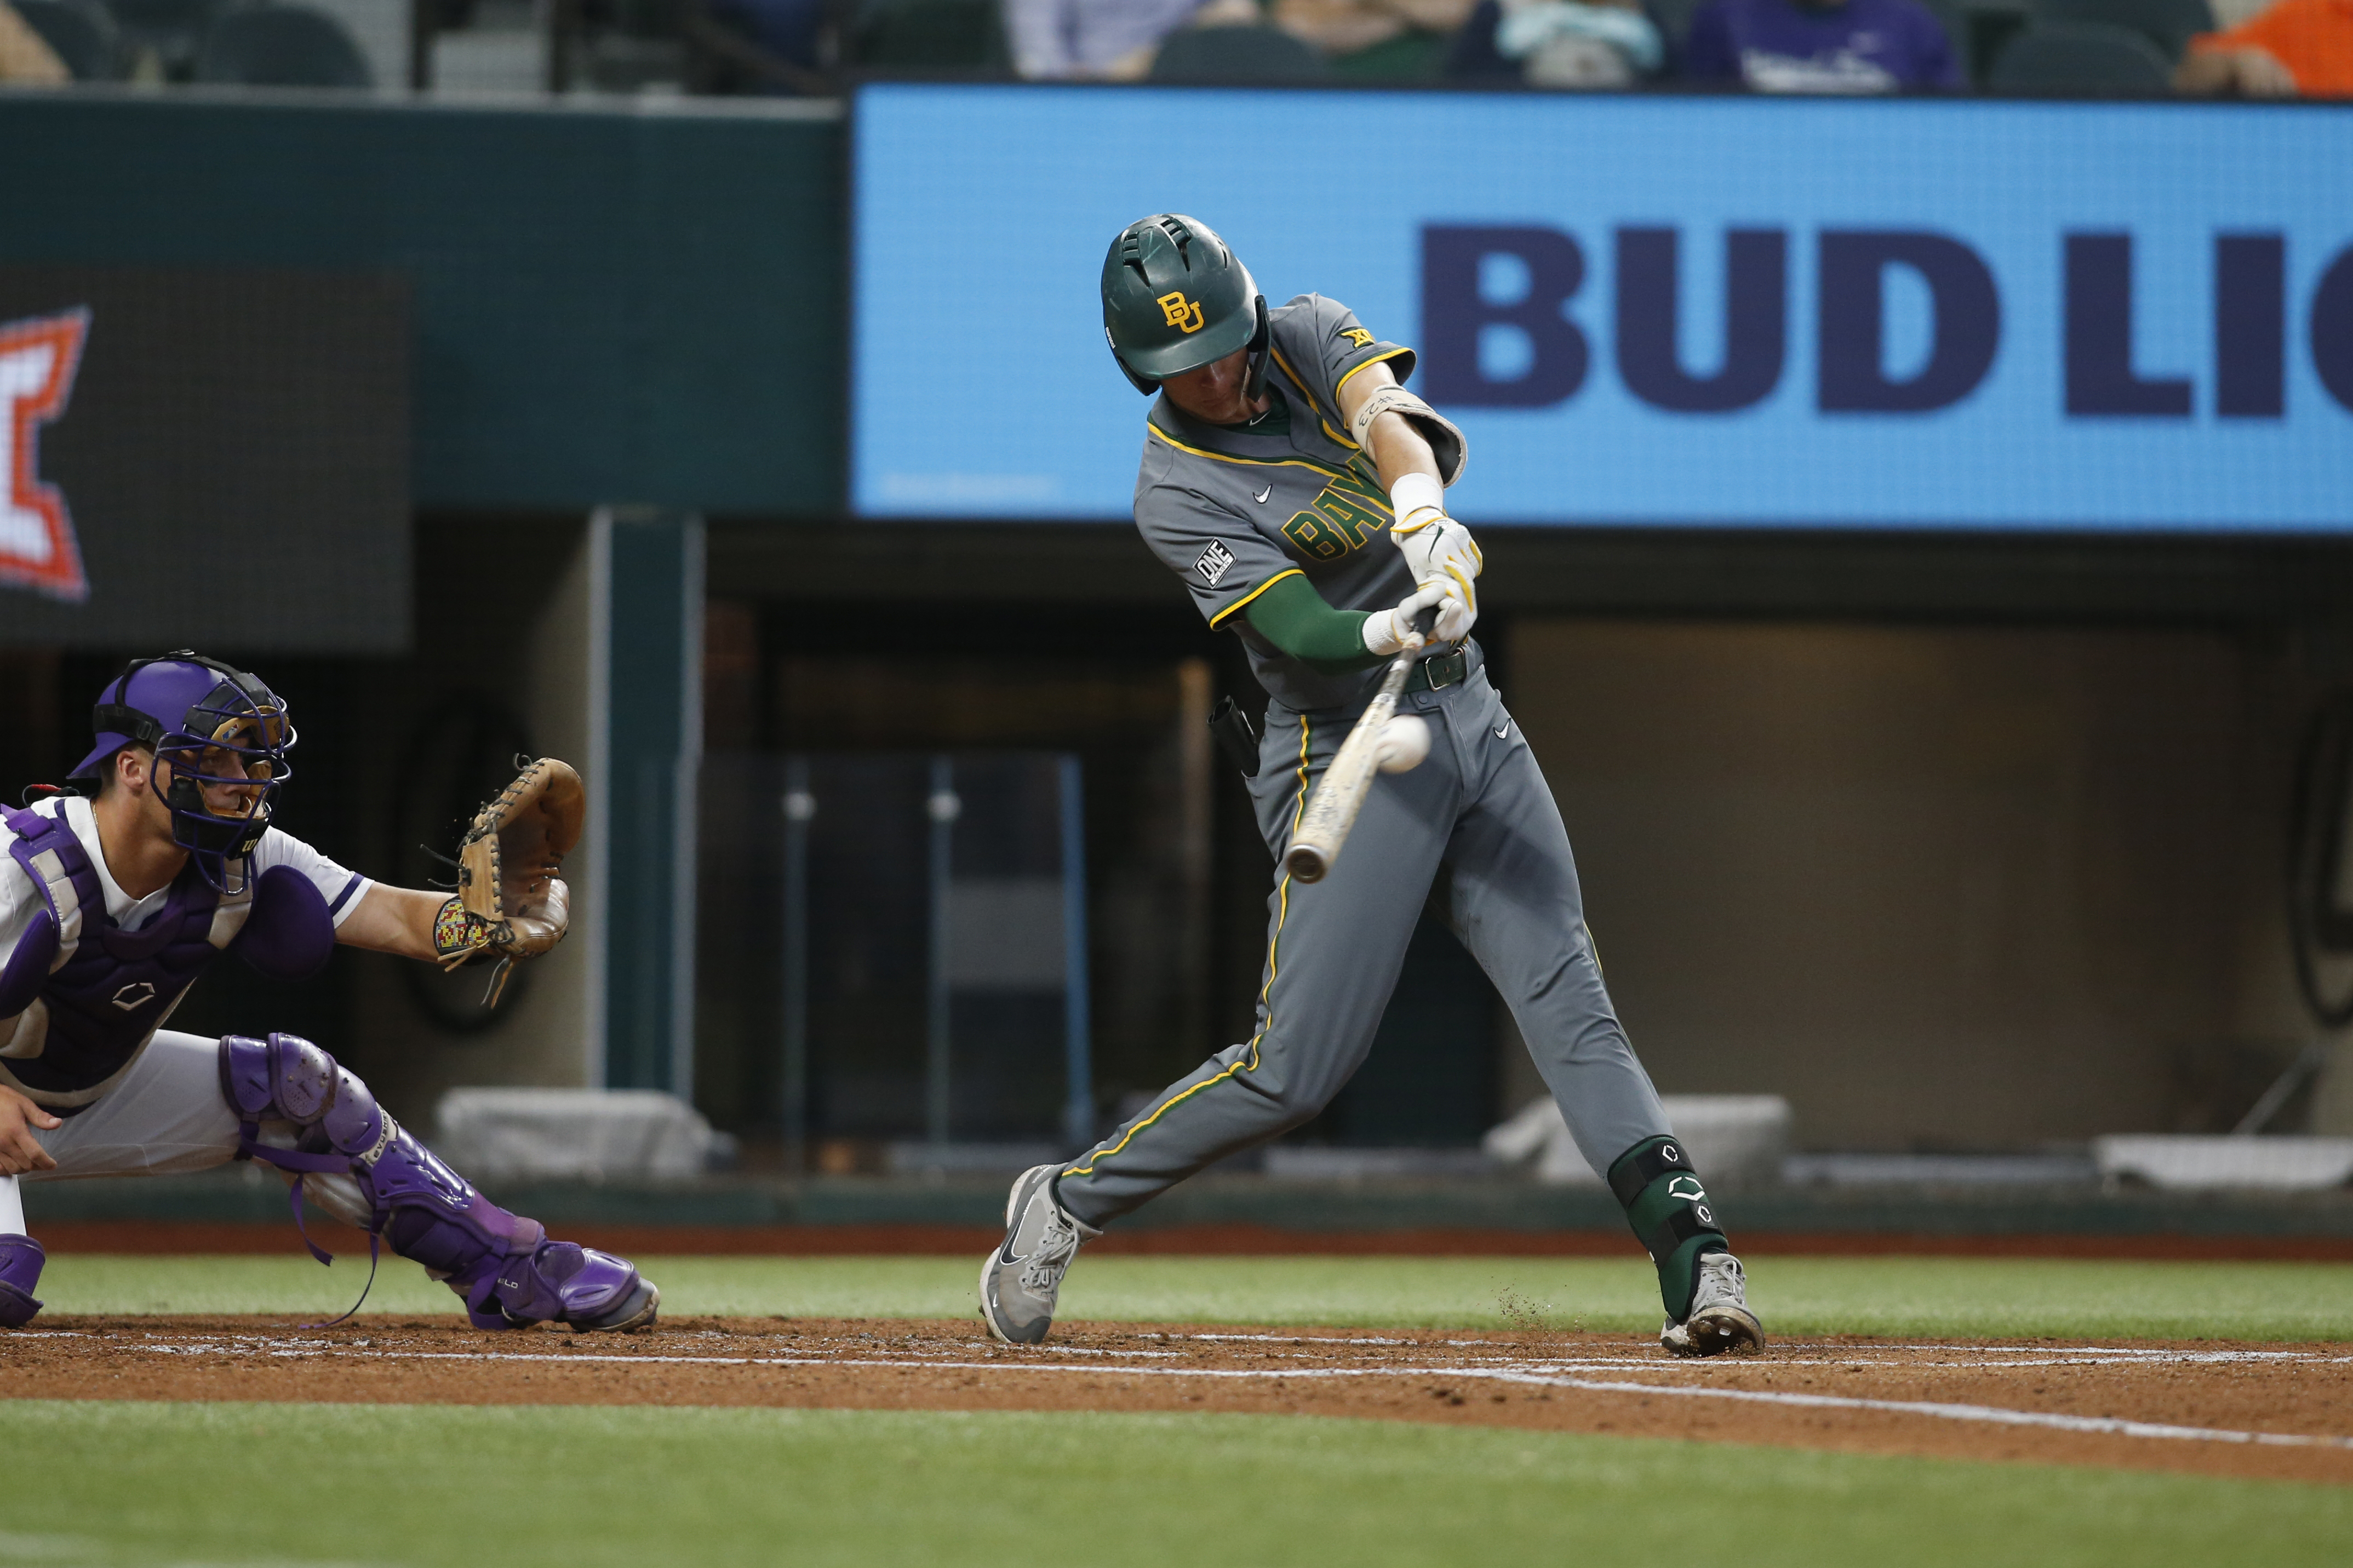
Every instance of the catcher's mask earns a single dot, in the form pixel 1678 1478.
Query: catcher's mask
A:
pixel 215 725
pixel 1175 299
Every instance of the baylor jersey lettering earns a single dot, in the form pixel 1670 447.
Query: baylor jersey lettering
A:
pixel 1349 511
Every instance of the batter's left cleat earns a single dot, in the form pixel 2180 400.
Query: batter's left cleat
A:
pixel 1023 1276
pixel 1719 1322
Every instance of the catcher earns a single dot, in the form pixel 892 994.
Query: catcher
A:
pixel 113 901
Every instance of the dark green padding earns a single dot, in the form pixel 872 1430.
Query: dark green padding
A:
pixel 1671 1215
pixel 1293 617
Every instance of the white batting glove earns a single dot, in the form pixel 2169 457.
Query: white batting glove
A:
pixel 1458 609
pixel 1436 546
pixel 1386 631
pixel 1439 552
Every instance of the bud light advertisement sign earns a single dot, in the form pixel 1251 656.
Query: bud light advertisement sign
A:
pixel 1649 311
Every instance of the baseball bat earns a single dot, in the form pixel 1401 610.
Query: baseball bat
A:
pixel 1332 809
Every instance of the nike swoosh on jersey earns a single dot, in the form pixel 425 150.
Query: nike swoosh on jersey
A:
pixel 1504 731
pixel 1264 494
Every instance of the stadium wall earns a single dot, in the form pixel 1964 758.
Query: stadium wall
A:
pixel 608 306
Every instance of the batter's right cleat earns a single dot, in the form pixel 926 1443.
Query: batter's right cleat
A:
pixel 1719 1322
pixel 20 1273
pixel 1023 1276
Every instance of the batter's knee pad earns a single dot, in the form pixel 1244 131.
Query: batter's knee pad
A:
pixel 508 1273
pixel 1671 1216
pixel 20 1271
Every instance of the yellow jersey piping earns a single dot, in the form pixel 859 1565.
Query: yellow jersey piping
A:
pixel 1296 380
pixel 1273 958
pixel 1376 358
pixel 1254 592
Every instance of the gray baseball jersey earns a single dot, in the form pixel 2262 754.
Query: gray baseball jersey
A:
pixel 1232 510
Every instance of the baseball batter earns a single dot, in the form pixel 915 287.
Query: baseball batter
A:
pixel 1298 492
pixel 113 901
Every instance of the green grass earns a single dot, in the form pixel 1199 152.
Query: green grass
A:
pixel 278 1486
pixel 1910 1296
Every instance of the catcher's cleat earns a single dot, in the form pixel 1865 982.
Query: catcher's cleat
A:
pixel 1023 1276
pixel 1719 1322
pixel 601 1294
pixel 558 1282
pixel 20 1275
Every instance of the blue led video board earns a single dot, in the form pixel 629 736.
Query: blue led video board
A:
pixel 1710 311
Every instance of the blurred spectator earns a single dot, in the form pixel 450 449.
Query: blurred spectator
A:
pixel 1560 42
pixel 1376 38
pixel 1820 46
pixel 24 57
pixel 2297 47
pixel 1105 40
pixel 786 29
pixel 757 45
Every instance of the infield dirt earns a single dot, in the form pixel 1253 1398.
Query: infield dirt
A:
pixel 2210 1407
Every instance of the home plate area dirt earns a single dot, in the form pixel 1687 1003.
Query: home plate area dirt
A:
pixel 2270 1410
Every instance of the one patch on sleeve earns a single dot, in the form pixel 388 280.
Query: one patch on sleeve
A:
pixel 1215 562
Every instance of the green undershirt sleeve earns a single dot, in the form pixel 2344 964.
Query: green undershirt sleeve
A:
pixel 1293 617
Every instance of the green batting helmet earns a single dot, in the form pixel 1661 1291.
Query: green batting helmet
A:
pixel 1174 299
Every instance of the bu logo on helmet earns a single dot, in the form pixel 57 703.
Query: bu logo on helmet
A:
pixel 1182 313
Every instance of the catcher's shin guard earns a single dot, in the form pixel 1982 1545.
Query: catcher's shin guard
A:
pixel 503 1266
pixel 20 1271
pixel 1700 1282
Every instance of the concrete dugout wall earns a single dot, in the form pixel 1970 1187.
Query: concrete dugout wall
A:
pixel 1941 886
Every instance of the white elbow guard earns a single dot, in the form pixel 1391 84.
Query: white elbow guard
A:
pixel 1445 442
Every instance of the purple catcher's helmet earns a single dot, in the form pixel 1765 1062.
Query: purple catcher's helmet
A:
pixel 214 725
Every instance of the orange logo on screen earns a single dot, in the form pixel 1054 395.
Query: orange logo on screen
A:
pixel 37 549
pixel 1183 314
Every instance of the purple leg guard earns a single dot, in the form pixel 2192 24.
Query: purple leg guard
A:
pixel 510 1274
pixel 20 1269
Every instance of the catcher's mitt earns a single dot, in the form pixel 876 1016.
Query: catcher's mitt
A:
pixel 511 900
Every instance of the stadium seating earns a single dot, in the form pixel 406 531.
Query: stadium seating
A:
pixel 170 30
pixel 281 45
pixel 2168 24
pixel 922 35
pixel 1674 19
pixel 2081 58
pixel 1239 54
pixel 83 35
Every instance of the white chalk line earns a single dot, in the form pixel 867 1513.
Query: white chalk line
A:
pixel 2087 1355
pixel 2098 1425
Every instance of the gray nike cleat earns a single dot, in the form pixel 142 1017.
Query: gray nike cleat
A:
pixel 1719 1320
pixel 1021 1279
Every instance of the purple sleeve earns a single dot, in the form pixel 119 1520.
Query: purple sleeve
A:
pixel 1936 66
pixel 1708 54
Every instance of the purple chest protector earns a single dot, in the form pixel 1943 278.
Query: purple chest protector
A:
pixel 101 992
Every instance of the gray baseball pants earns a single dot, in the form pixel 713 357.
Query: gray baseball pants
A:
pixel 1477 812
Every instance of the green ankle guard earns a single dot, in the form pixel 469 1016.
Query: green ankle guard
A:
pixel 1671 1215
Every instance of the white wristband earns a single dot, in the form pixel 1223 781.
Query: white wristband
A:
pixel 1417 492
